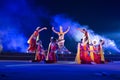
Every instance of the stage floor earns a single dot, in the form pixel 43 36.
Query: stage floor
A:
pixel 62 70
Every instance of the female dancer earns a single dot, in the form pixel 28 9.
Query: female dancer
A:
pixel 51 54
pixel 101 51
pixel 84 48
pixel 33 39
pixel 60 36
pixel 40 53
pixel 85 37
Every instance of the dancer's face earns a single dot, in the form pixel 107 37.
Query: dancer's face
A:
pixel 84 30
pixel 94 42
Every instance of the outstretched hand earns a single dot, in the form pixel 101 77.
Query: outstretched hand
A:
pixel 45 28
pixel 52 28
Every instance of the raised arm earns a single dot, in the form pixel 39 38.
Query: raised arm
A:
pixel 67 30
pixel 42 29
pixel 80 30
pixel 54 30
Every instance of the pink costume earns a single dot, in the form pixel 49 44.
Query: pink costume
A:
pixel 96 54
pixel 39 53
pixel 52 54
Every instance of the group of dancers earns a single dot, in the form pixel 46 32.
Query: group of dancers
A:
pixel 86 52
pixel 89 52
pixel 56 46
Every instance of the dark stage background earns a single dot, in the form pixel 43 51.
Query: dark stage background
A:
pixel 19 18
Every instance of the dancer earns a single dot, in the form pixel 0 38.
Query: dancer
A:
pixel 96 52
pixel 91 50
pixel 61 35
pixel 40 53
pixel 62 49
pixel 85 38
pixel 101 51
pixel 33 38
pixel 51 54
pixel 85 53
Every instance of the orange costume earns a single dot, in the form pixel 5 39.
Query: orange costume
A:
pixel 32 42
pixel 101 52
pixel 84 48
pixel 84 54
pixel 78 58
pixel 33 39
